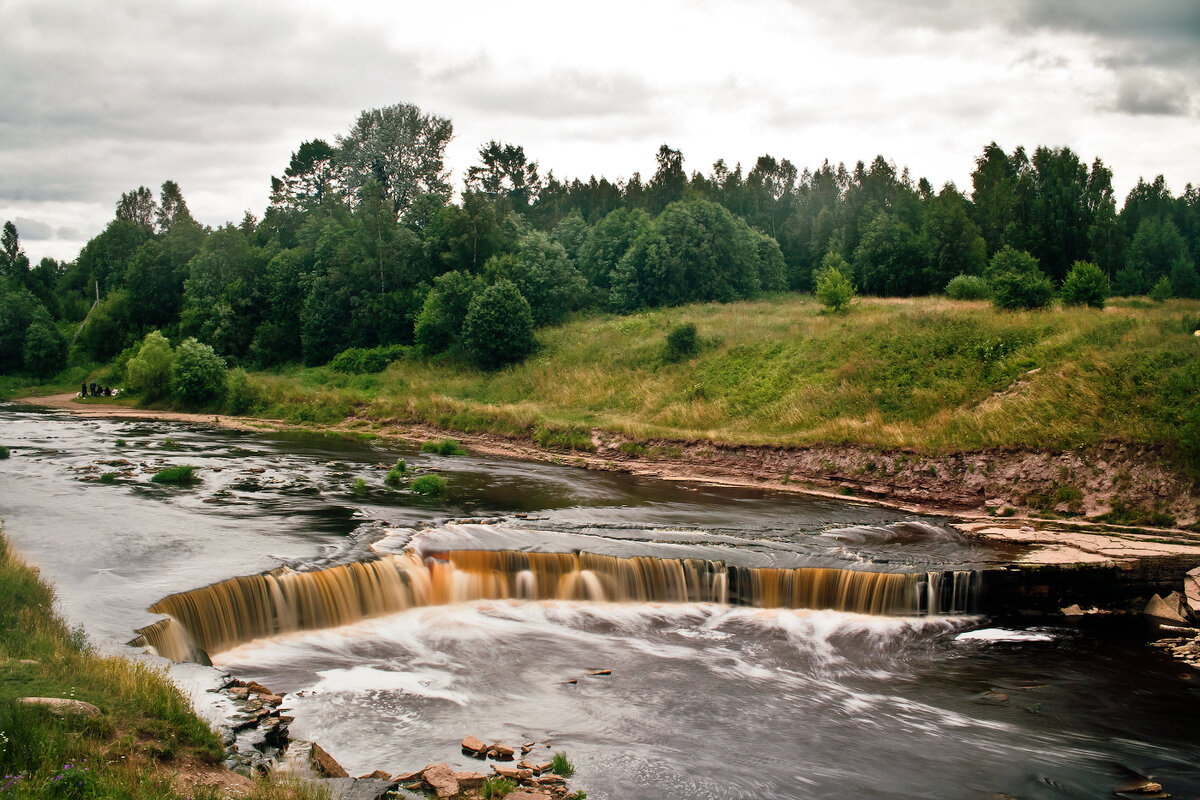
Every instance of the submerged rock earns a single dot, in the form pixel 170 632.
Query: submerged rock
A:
pixel 474 747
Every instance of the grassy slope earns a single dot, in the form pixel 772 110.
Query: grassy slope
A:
pixel 924 373
pixel 146 728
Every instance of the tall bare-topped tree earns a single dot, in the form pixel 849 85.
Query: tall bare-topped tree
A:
pixel 400 148
pixel 505 172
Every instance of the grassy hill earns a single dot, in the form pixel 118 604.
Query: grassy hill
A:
pixel 927 374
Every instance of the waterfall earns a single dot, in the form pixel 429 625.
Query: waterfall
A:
pixel 220 616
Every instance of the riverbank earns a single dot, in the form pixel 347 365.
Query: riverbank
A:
pixel 1117 484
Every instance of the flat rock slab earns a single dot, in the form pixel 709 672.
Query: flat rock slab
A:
pixel 326 764
pixel 362 789
pixel 62 705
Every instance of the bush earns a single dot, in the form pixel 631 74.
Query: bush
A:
pixel 496 787
pixel 446 447
pixel 396 475
pixel 1085 285
pixel 45 350
pixel 440 322
pixel 681 343
pixel 4 453
pixel 198 375
pixel 968 287
pixel 431 485
pixel 559 765
pixel 149 372
pixel 182 474
pixel 1184 280
pixel 833 288
pixel 1017 281
pixel 498 329
pixel 241 396
pixel 359 361
pixel 1162 289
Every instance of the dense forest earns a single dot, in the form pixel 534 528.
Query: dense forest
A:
pixel 363 246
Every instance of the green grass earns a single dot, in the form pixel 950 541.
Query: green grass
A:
pixel 431 485
pixel 497 787
pixel 108 477
pixel 176 475
pixel 397 474
pixel 446 447
pixel 559 765
pixel 931 374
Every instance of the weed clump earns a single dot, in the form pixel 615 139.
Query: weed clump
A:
pixel 108 477
pixel 561 766
pixel 3 452
pixel 496 787
pixel 429 485
pixel 397 474
pixel 446 447
pixel 681 343
pixel 176 475
pixel 360 488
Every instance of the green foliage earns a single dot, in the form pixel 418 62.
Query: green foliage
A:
pixel 496 787
pixel 1130 282
pixel 1017 282
pixel 559 765
pixel 4 452
pixel 439 325
pixel 360 361
pixel 544 275
pixel 607 243
pixel 446 447
pixel 1138 516
pixel 1161 290
pixel 1085 285
pixel 833 287
pixel 108 477
pixel 681 343
pixel 431 485
pixel 198 375
pixel 242 395
pixel 1184 280
pixel 360 487
pixel 1189 435
pixel 149 372
pixel 968 287
pixel 498 329
pixel 178 475
pixel 397 474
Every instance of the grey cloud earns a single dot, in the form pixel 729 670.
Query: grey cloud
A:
pixel 33 230
pixel 1154 95
pixel 68 233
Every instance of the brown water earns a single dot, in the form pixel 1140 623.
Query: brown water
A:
pixel 712 693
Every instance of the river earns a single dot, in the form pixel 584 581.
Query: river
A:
pixel 697 699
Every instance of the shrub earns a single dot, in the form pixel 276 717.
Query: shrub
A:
pixel 440 322
pixel 1085 285
pixel 1130 282
pixel 360 487
pixel 359 361
pixel 1017 281
pixel 1162 289
pixel 199 373
pixel 45 348
pixel 149 372
pixel 396 475
pixel 446 447
pixel 833 288
pixel 559 765
pixel 968 287
pixel 241 396
pixel 1184 280
pixel 429 485
pixel 181 474
pixel 681 343
pixel 108 477
pixel 498 329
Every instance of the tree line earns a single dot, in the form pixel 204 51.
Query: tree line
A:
pixel 363 246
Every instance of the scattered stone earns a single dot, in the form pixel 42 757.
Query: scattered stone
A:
pixel 551 780
pixel 62 705
pixel 325 764
pixel 1073 611
pixel 270 699
pixel 470 780
pixel 408 777
pixel 500 752
pixel 376 775
pixel 601 672
pixel 441 779
pixel 474 747
pixel 239 692
pixel 1168 609
pixel 524 774
pixel 506 772
pixel 571 682
pixel 258 688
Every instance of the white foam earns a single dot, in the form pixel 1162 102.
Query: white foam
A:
pixel 369 679
pixel 1003 635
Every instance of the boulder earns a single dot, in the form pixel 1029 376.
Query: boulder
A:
pixel 1169 609
pixel 470 780
pixel 474 747
pixel 325 764
pixel 62 705
pixel 440 778
pixel 1073 611
pixel 408 777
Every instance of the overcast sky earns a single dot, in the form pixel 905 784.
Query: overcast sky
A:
pixel 99 98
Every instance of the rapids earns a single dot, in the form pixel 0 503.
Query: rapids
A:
pixel 723 683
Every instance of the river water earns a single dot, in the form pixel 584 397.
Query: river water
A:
pixel 699 700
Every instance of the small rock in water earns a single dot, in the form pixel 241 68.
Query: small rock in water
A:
pixel 506 772
pixel 500 752
pixel 474 747
pixel 601 672
pixel 1073 611
pixel 571 682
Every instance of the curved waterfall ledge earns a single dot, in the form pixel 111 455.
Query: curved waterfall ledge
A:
pixel 225 614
